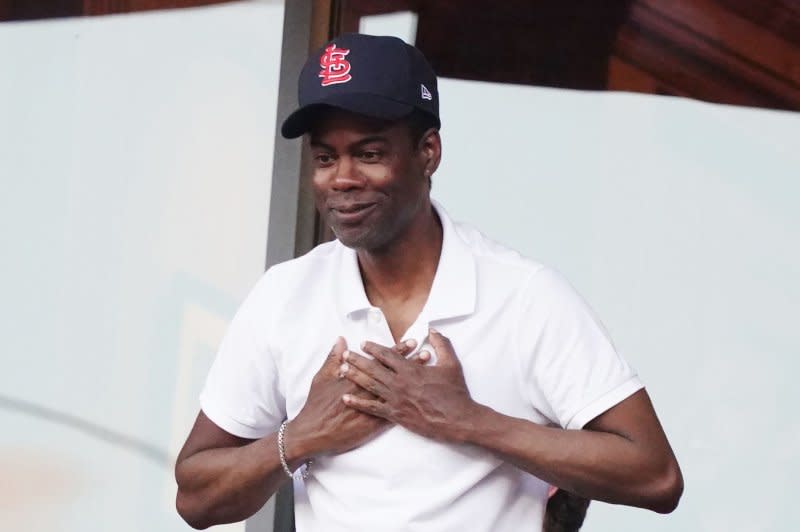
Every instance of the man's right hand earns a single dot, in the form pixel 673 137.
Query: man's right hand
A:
pixel 326 425
pixel 223 478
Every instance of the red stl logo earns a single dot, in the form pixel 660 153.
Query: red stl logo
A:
pixel 335 68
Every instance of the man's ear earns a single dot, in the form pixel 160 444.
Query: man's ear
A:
pixel 430 149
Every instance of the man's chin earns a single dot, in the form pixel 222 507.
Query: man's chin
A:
pixel 351 238
pixel 362 240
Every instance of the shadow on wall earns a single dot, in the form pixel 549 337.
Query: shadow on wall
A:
pixel 128 443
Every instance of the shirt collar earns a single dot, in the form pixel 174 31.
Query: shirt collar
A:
pixel 454 289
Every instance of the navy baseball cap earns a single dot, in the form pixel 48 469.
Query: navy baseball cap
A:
pixel 379 77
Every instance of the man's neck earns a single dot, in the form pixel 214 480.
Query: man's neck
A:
pixel 404 272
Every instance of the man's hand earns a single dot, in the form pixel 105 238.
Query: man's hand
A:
pixel 622 456
pixel 223 478
pixel 432 401
pixel 325 425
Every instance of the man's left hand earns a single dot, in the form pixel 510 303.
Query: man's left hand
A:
pixel 432 401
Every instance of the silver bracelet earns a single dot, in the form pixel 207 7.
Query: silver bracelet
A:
pixel 282 453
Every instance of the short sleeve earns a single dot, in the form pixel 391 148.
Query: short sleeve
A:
pixel 569 366
pixel 242 394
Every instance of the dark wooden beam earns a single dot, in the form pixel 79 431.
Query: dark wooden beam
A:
pixel 109 7
pixel 41 9
pixel 28 10
pixel 743 52
pixel 694 50
pixel 548 42
pixel 781 17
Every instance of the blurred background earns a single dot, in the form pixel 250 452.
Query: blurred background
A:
pixel 648 149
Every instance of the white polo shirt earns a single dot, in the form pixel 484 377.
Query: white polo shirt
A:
pixel 529 345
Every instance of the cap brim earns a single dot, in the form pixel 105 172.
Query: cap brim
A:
pixel 300 121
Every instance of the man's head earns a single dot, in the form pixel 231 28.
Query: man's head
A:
pixel 370 107
pixel 370 179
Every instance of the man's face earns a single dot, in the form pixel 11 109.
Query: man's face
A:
pixel 369 180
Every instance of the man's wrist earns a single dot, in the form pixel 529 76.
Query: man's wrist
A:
pixel 473 424
pixel 297 447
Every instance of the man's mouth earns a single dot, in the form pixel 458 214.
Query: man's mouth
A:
pixel 350 213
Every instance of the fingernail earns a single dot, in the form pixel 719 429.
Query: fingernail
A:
pixel 346 398
pixel 344 368
pixel 364 345
pixel 424 355
pixel 432 330
pixel 345 355
pixel 411 343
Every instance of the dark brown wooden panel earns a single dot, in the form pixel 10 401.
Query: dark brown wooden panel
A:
pixel 744 52
pixel 549 42
pixel 625 76
pixel 729 31
pixel 108 7
pixel 695 51
pixel 31 10
pixel 39 9
pixel 781 17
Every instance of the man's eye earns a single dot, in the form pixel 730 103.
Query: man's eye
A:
pixel 370 156
pixel 324 159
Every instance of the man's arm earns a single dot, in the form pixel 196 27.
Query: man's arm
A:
pixel 223 478
pixel 622 458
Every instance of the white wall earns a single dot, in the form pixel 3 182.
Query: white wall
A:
pixel 679 222
pixel 135 155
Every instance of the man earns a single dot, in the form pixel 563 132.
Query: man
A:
pixel 450 354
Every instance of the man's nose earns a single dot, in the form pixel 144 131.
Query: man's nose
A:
pixel 347 175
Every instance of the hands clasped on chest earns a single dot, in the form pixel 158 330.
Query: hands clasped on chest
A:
pixel 353 398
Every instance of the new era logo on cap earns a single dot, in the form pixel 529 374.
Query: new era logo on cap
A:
pixel 426 94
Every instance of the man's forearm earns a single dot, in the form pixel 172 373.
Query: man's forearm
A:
pixel 593 464
pixel 623 458
pixel 223 478
pixel 226 485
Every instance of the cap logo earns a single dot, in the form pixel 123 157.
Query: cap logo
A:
pixel 335 68
pixel 426 94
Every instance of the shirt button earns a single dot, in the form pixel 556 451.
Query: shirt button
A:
pixel 374 315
